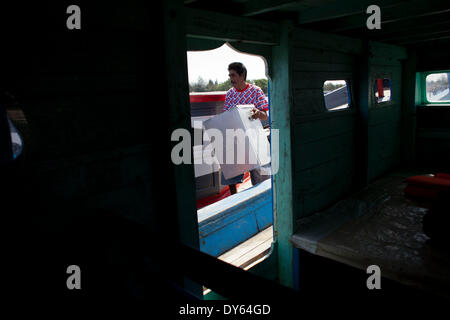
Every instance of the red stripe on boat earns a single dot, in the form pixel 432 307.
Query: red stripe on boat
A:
pixel 206 98
pixel 225 192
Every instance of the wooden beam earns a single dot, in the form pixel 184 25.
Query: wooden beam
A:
pixel 362 97
pixel 282 105
pixel 425 39
pixel 255 7
pixel 431 34
pixel 177 101
pixel 413 25
pixel 339 9
pixel 402 12
pixel 315 39
pixel 408 106
pixel 218 26
pixel 226 279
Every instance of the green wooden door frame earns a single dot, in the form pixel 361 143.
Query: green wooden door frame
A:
pixel 362 97
pixel 178 102
pixel 268 268
pixel 409 108
pixel 276 50
pixel 282 106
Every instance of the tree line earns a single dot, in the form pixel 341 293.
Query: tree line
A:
pixel 201 85
pixel 329 86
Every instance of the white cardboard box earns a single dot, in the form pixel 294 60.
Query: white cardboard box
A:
pixel 248 151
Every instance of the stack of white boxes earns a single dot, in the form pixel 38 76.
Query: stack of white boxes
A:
pixel 248 131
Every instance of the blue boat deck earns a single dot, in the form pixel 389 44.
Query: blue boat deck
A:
pixel 231 221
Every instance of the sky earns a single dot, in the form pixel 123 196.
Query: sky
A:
pixel 213 64
pixel 437 76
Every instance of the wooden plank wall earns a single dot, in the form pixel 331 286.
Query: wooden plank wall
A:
pixel 90 100
pixel 384 126
pixel 433 137
pixel 323 141
pixel 433 122
pixel 91 188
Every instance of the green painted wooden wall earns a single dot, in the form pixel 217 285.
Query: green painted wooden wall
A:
pixel 323 147
pixel 323 155
pixel 385 119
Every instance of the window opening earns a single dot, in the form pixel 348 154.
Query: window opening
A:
pixel 336 94
pixel 16 140
pixel 228 228
pixel 11 136
pixel 383 90
pixel 438 87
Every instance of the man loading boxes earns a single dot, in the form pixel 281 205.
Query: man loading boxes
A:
pixel 244 97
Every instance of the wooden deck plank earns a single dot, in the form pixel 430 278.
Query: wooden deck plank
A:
pixel 247 251
pixel 253 255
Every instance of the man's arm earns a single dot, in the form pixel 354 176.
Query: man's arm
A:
pixel 259 114
pixel 261 105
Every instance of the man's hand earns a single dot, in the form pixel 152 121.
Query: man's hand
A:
pixel 258 114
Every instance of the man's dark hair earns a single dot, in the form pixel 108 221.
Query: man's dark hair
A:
pixel 239 68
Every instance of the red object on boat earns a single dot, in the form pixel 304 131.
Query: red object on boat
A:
pixel 429 182
pixel 205 97
pixel 420 192
pixel 426 187
pixel 225 192
pixel 442 175
pixel 380 86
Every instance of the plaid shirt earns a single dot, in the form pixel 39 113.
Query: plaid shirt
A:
pixel 250 95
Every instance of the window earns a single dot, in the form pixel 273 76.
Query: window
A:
pixel 231 227
pixel 382 88
pixel 336 94
pixel 438 87
pixel 11 141
pixel 236 228
pixel 16 140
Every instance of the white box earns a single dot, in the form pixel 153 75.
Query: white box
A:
pixel 238 121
